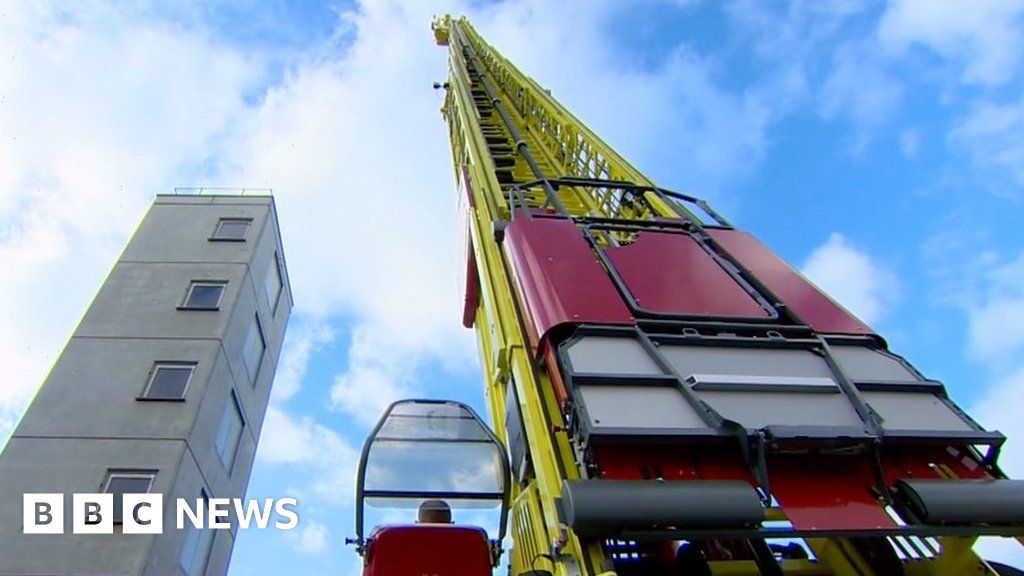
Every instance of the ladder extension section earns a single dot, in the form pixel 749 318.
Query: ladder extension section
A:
pixel 662 377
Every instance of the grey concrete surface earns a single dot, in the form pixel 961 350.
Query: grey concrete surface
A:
pixel 90 417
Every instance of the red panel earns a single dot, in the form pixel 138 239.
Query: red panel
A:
pixel 629 461
pixel 469 187
pixel 672 274
pixel 806 301
pixel 472 299
pixel 418 549
pixel 561 393
pixel 816 492
pixel 827 492
pixel 925 461
pixel 559 278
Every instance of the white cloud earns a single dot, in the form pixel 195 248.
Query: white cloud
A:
pixel 985 37
pixel 285 441
pixel 724 135
pixel 321 462
pixel 350 140
pixel 7 422
pixel 119 108
pixel 383 218
pixel 910 142
pixel 957 258
pixel 859 88
pixel 98 111
pixel 364 189
pixel 995 328
pixel 980 44
pixel 995 316
pixel 714 135
pixel 993 137
pixel 310 537
pixel 364 391
pixel 852 278
pixel 1000 409
pixel 800 31
pixel 302 340
pixel 839 77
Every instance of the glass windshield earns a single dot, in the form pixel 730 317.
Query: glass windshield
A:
pixel 433 467
pixel 428 427
pixel 427 450
pixel 422 449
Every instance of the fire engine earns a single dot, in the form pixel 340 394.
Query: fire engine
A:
pixel 667 395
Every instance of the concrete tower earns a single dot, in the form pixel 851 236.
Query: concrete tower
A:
pixel 162 388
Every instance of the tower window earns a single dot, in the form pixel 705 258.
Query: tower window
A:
pixel 229 433
pixel 203 295
pixel 272 284
pixel 120 483
pixel 232 229
pixel 195 552
pixel 252 354
pixel 169 380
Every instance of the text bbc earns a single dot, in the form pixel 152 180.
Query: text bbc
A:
pixel 143 513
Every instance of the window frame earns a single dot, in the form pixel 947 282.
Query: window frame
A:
pixel 233 456
pixel 152 378
pixel 204 542
pixel 221 221
pixel 275 266
pixel 113 473
pixel 223 284
pixel 255 375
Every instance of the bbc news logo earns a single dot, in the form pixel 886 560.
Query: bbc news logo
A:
pixel 143 513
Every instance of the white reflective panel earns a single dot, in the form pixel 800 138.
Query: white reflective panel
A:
pixel 401 427
pixel 745 382
pixel 865 364
pixel 915 411
pixel 608 355
pixel 639 407
pixel 745 361
pixel 429 466
pixel 759 409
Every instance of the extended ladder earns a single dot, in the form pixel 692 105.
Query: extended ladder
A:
pixel 675 399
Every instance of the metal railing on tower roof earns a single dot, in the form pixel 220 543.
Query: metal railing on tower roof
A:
pixel 222 190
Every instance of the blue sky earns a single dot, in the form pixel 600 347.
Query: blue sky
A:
pixel 877 146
